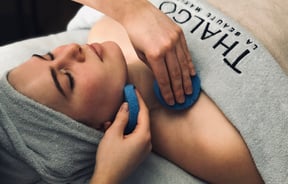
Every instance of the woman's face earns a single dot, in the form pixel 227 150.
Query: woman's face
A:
pixel 84 82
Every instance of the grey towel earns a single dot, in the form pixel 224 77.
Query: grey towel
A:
pixel 15 167
pixel 59 149
pixel 244 80
pixel 240 75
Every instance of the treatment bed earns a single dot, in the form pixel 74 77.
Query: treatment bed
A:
pixel 236 71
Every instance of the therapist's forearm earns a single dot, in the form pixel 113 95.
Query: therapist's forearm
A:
pixel 103 180
pixel 116 9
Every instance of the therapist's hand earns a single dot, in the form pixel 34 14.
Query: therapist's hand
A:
pixel 158 41
pixel 118 154
pixel 161 44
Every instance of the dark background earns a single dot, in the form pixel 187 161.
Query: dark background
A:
pixel 22 19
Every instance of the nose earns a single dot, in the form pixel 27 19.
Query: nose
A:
pixel 70 54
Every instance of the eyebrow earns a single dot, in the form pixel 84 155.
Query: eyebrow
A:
pixel 39 56
pixel 42 57
pixel 54 75
pixel 56 82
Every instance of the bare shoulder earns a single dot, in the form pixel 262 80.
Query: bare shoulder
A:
pixel 266 19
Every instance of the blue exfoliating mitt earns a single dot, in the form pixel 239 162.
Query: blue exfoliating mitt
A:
pixel 189 99
pixel 131 98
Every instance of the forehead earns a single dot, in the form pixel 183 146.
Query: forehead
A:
pixel 31 77
pixel 32 69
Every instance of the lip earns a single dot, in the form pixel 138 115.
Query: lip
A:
pixel 97 49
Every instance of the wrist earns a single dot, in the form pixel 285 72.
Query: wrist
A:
pixel 119 10
pixel 104 178
pixel 126 9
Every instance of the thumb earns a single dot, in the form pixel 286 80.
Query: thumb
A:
pixel 120 120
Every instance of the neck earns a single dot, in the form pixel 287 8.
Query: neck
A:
pixel 141 76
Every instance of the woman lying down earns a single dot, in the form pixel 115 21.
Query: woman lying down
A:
pixel 222 138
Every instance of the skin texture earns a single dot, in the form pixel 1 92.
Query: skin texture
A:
pixel 99 72
pixel 167 56
pixel 219 153
pixel 94 84
pixel 134 147
pixel 207 147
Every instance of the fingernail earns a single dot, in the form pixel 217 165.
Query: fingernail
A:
pixel 188 91
pixel 171 102
pixel 181 99
pixel 193 72
pixel 124 107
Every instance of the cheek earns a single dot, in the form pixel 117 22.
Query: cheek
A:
pixel 42 90
pixel 97 104
pixel 98 94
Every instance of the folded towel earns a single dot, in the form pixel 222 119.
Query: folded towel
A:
pixel 236 71
pixel 58 148
pixel 242 78
pixel 15 166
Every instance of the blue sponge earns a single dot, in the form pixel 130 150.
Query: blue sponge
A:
pixel 131 98
pixel 189 99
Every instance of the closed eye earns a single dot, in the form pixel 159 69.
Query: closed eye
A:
pixel 54 75
pixel 71 80
pixel 56 81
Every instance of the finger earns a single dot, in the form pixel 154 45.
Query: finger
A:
pixel 184 61
pixel 188 57
pixel 161 74
pixel 143 121
pixel 121 120
pixel 175 74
